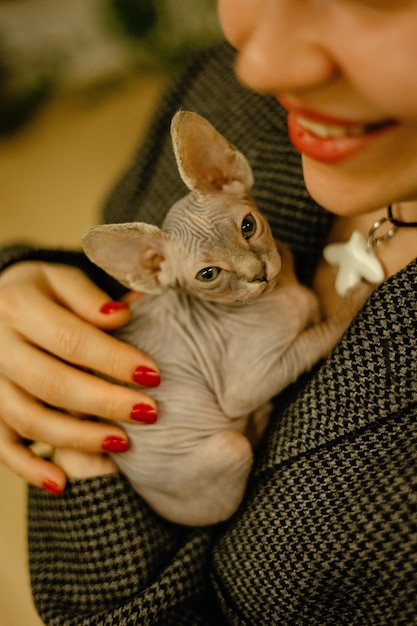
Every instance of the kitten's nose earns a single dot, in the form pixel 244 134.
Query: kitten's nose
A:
pixel 260 276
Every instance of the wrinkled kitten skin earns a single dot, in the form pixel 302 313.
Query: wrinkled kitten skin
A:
pixel 228 327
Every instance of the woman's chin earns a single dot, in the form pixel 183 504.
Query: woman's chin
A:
pixel 341 192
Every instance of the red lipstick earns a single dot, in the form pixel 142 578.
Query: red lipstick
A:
pixel 329 139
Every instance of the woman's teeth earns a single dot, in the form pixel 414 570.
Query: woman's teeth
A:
pixel 331 131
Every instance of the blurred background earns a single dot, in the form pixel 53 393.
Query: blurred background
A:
pixel 79 81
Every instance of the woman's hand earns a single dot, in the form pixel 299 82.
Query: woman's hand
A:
pixel 52 319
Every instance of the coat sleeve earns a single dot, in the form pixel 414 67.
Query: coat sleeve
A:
pixel 100 555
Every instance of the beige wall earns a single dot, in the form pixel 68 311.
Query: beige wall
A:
pixel 53 177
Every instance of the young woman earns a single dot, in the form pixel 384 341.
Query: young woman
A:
pixel 327 533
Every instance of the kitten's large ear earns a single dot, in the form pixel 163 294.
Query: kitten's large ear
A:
pixel 132 253
pixel 206 160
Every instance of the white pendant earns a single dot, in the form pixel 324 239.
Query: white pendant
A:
pixel 356 260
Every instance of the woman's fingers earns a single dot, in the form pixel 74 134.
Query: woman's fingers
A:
pixel 24 418
pixel 51 476
pixel 74 339
pixel 78 464
pixel 26 464
pixel 74 291
pixel 32 420
pixel 42 341
pixel 61 385
pixel 65 285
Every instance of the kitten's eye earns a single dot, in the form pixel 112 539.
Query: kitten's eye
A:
pixel 248 227
pixel 208 273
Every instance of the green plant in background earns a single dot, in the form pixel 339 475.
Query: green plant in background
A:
pixel 18 108
pixel 168 31
pixel 137 17
pixel 48 45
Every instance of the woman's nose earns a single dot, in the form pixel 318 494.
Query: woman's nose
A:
pixel 280 50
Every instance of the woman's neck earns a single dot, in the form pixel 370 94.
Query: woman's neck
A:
pixel 393 254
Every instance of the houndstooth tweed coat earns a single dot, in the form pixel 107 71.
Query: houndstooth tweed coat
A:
pixel 327 532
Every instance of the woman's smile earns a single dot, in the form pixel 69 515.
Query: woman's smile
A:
pixel 331 140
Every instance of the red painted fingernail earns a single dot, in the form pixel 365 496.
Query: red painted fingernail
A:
pixel 52 487
pixel 113 307
pixel 115 444
pixel 143 413
pixel 146 376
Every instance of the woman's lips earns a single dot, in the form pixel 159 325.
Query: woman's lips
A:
pixel 329 140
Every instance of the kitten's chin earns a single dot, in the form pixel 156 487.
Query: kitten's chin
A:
pixel 268 286
pixel 261 289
